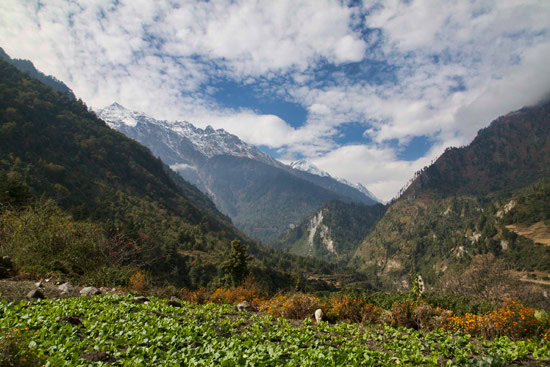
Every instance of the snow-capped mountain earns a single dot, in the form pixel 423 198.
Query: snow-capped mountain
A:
pixel 261 195
pixel 306 166
pixel 361 188
pixel 209 142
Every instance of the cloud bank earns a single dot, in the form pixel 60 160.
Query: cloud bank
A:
pixel 398 70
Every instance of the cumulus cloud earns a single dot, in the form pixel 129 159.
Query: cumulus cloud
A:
pixel 416 68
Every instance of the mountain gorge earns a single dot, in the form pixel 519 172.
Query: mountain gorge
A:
pixel 461 206
pixel 262 196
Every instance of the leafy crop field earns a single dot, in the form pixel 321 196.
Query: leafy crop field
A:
pixel 115 330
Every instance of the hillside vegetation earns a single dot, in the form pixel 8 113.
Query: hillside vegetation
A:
pixel 109 194
pixel 483 203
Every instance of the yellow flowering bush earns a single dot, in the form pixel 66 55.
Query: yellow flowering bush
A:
pixel 235 295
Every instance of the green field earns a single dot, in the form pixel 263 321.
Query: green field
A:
pixel 70 332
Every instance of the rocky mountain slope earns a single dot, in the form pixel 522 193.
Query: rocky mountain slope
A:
pixel 459 207
pixel 333 232
pixel 262 196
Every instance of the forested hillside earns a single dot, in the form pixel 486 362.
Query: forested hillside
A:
pixel 486 199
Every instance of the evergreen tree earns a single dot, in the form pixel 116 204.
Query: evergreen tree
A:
pixel 236 267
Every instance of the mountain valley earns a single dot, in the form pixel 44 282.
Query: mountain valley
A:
pixel 262 196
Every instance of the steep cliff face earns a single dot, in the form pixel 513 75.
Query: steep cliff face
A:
pixel 333 232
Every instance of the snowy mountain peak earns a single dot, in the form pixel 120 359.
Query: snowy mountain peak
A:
pixel 360 188
pixel 306 166
pixel 116 115
pixel 208 141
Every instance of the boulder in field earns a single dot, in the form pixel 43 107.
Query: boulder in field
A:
pixel 89 291
pixel 35 294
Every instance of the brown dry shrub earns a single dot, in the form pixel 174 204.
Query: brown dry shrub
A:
pixel 371 314
pixel 403 314
pixel 428 317
pixel 139 281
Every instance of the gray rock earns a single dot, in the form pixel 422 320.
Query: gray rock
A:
pixel 66 287
pixel 35 294
pixel 245 306
pixel 89 291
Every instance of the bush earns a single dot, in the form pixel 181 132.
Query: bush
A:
pixel 65 246
pixel 513 320
pixel 235 296
pixel 371 314
pixel 459 304
pixel 345 308
pixel 14 351
pixel 428 317
pixel 298 306
pixel 403 314
pixel 200 296
pixel 139 281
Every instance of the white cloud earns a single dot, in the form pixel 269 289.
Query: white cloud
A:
pixel 454 68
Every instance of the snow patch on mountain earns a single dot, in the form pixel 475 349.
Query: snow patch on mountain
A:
pixel 306 166
pixel 361 188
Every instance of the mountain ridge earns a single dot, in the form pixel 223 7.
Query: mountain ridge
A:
pixel 198 156
pixel 448 215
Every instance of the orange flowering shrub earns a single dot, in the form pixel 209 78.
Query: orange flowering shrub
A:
pixel 513 320
pixel 235 295
pixel 275 305
pixel 546 335
pixel 468 323
pixel 298 306
pixel 346 308
pixel 200 296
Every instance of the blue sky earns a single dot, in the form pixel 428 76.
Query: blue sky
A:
pixel 370 91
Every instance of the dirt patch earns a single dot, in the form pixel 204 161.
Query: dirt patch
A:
pixel 98 357
pixel 538 232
